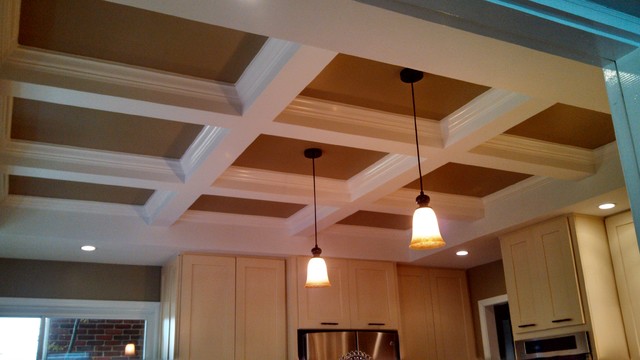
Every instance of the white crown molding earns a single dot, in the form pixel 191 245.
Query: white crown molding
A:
pixel 516 190
pixel 264 67
pixel 329 191
pixel 155 204
pixel 343 230
pixel 67 163
pixel 357 120
pixel 302 222
pixel 75 206
pixel 539 152
pixel 450 206
pixel 379 173
pixel 91 70
pixel 206 141
pixel 478 113
pixel 233 219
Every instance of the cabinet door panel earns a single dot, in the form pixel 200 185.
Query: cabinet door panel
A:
pixel 565 306
pixel 207 308
pixel 373 294
pixel 416 314
pixel 520 278
pixel 452 314
pixel 260 304
pixel 324 307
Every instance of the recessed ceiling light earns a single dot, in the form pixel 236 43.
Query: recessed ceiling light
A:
pixel 606 206
pixel 88 248
pixel 462 253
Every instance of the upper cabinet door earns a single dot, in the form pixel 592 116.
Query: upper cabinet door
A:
pixel 207 308
pixel 324 307
pixel 374 299
pixel 521 280
pixel 541 277
pixel 564 306
pixel 260 309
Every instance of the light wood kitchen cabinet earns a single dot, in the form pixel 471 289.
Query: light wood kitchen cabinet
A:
pixel 324 307
pixel 435 314
pixel 362 295
pixel 623 243
pixel 212 305
pixel 541 278
pixel 559 278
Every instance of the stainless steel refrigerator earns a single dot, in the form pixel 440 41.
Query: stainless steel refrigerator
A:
pixel 334 345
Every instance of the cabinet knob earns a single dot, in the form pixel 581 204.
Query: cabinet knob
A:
pixel 526 325
pixel 561 320
pixel 378 324
pixel 328 323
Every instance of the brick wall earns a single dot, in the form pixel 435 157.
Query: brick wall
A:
pixel 97 339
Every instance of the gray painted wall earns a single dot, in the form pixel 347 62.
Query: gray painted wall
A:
pixel 75 280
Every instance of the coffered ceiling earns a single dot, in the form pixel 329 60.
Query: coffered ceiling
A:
pixel 151 129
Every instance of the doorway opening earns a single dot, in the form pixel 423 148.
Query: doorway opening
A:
pixel 495 326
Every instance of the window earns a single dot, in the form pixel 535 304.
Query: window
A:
pixel 48 329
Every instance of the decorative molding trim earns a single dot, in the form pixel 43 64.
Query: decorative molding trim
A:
pixel 77 206
pixel 96 164
pixel 518 189
pixel 263 69
pixel 155 204
pixel 330 191
pixel 304 219
pixel 328 112
pixel 508 146
pixel 458 207
pixel 343 230
pixel 208 139
pixel 122 75
pixel 478 112
pixel 382 171
pixel 233 219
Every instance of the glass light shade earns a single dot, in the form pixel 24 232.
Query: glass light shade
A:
pixel 130 349
pixel 426 233
pixel 317 273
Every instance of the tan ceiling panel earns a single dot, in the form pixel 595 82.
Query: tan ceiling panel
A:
pixel 112 32
pixel 100 130
pixel 568 125
pixel 467 180
pixel 287 155
pixel 232 205
pixel 371 84
pixel 71 190
pixel 379 220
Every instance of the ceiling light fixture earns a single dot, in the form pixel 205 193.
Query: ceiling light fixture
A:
pixel 606 206
pixel 462 253
pixel 317 268
pixel 425 232
pixel 88 248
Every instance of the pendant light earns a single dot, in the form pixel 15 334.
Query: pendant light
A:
pixel 317 268
pixel 425 233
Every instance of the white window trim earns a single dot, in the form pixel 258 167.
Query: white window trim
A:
pixel 100 309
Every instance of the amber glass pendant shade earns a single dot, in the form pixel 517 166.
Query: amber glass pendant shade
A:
pixel 317 275
pixel 426 232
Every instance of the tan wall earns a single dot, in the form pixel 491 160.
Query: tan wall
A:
pixel 74 280
pixel 485 281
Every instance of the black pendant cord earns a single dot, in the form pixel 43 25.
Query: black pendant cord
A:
pixel 315 215
pixel 415 125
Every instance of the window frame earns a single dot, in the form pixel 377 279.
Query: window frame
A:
pixel 102 309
